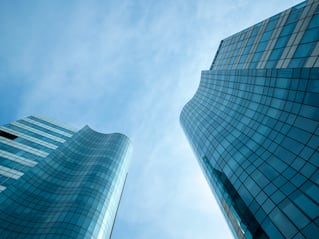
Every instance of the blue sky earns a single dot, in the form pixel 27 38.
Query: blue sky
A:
pixel 126 66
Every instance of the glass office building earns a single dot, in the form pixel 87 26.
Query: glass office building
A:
pixel 254 126
pixel 59 182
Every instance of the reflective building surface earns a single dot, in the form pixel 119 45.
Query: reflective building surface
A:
pixel 59 182
pixel 254 126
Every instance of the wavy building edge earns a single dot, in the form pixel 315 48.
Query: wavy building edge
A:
pixel 72 191
pixel 253 124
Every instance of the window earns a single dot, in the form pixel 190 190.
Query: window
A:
pixel 7 135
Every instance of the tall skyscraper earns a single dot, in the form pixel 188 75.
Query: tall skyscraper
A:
pixel 254 126
pixel 59 182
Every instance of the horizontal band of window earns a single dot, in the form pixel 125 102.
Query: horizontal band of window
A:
pixel 47 127
pixel 23 147
pixel 57 139
pixel 10 173
pixel 2 188
pixel 55 123
pixel 17 159
pixel 28 137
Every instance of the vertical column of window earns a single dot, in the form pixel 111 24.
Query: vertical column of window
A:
pixel 231 50
pixel 282 41
pixel 252 37
pixel 313 60
pixel 222 54
pixel 315 52
pixel 264 41
pixel 236 42
pixel 227 52
pixel 187 116
pixel 256 42
pixel 307 44
pixel 266 63
pixel 298 19
pixel 238 49
pixel 244 38
pixel 279 21
pixel 245 49
pixel 215 63
pixel 235 110
pixel 220 117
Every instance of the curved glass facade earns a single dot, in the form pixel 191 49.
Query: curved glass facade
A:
pixel 255 130
pixel 73 192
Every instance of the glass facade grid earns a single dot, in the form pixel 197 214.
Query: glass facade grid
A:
pixel 74 192
pixel 265 49
pixel 254 126
pixel 278 137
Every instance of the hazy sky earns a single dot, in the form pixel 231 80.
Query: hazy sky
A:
pixel 126 66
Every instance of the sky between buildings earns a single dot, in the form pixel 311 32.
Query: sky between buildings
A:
pixel 126 66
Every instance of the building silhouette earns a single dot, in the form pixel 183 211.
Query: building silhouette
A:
pixel 254 126
pixel 59 182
